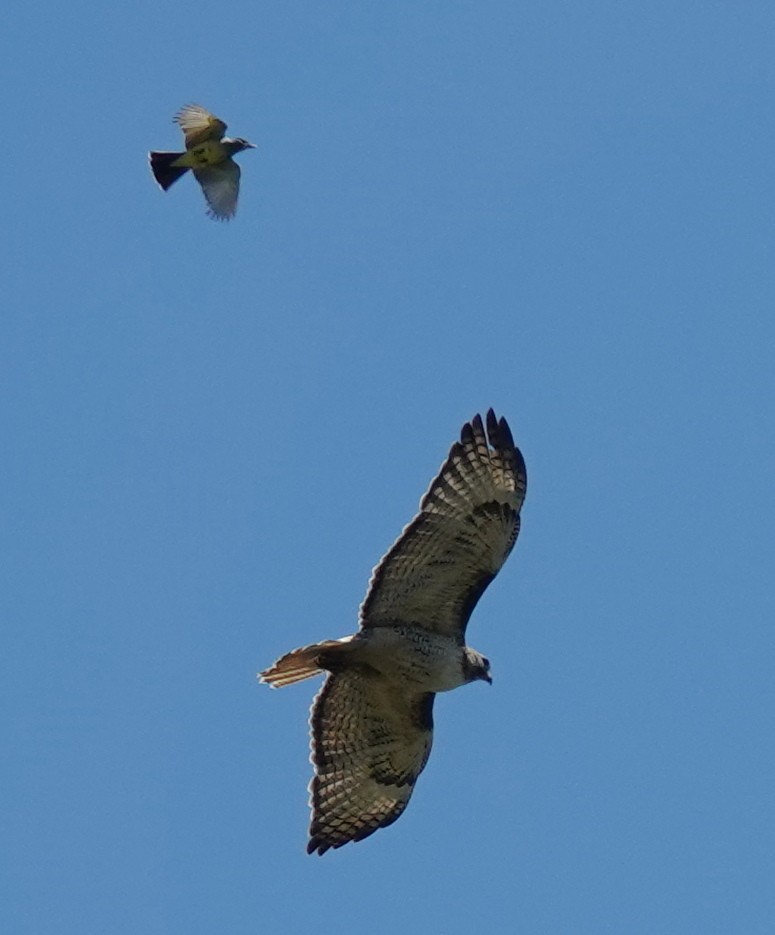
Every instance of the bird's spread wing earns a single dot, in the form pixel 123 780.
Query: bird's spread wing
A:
pixel 468 523
pixel 199 125
pixel 220 184
pixel 370 742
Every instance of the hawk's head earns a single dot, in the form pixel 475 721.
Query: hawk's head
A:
pixel 476 666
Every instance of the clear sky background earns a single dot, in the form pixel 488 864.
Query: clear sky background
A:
pixel 212 432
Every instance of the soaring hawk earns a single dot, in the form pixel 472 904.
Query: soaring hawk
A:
pixel 372 721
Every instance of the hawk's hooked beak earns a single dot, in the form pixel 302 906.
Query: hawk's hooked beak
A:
pixel 487 678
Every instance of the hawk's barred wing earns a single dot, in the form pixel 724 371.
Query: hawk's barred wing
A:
pixel 199 125
pixel 468 523
pixel 220 184
pixel 370 742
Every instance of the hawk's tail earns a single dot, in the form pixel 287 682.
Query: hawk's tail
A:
pixel 303 663
pixel 163 170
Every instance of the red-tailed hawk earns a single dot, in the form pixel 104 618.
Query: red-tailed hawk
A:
pixel 372 721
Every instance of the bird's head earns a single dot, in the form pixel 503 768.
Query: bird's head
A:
pixel 237 145
pixel 476 666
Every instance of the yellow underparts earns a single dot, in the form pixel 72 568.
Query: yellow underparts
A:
pixel 209 153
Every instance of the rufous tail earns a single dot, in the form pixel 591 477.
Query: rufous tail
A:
pixel 298 664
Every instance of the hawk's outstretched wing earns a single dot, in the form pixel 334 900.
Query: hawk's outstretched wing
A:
pixel 199 125
pixel 370 741
pixel 468 523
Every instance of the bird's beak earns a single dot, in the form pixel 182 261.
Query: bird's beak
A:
pixel 487 678
pixel 252 146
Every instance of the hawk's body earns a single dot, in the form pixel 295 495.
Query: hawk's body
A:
pixel 372 721
pixel 209 155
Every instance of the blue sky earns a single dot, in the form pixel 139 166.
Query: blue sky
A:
pixel 213 432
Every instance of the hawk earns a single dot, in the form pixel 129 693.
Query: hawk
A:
pixel 208 155
pixel 371 724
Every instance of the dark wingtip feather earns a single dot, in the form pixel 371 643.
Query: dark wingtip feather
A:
pixel 475 426
pixel 501 440
pixel 317 846
pixel 498 431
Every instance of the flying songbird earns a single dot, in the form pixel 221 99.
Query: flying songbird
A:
pixel 371 723
pixel 208 155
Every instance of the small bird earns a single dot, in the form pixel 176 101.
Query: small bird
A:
pixel 372 721
pixel 208 154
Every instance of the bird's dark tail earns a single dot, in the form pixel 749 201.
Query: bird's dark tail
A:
pixel 163 170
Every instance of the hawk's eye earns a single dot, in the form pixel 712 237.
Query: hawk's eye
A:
pixel 485 662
